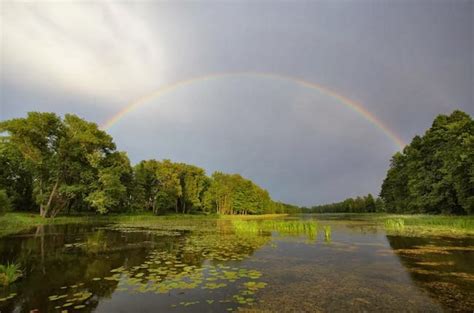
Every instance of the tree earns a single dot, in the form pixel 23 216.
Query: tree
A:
pixel 435 172
pixel 5 204
pixel 379 205
pixel 62 156
pixel 54 164
pixel 110 192
pixel 169 187
pixel 233 194
pixel 15 177
pixel 146 185
pixel 369 203
pixel 193 180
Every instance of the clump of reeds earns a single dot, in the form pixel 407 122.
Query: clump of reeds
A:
pixel 396 224
pixel 9 273
pixel 327 233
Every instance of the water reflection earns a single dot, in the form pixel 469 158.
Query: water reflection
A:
pixel 442 266
pixel 222 265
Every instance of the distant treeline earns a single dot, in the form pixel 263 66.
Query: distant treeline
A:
pixel 52 165
pixel 434 174
pixel 365 204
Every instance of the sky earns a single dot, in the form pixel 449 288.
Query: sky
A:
pixel 303 97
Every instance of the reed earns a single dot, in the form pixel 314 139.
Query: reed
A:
pixel 288 228
pixel 9 273
pixel 327 233
pixel 395 224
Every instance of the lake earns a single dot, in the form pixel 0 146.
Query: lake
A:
pixel 296 264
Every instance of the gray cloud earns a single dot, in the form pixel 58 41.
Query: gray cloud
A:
pixel 406 62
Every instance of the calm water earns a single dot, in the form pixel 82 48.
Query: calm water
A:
pixel 223 265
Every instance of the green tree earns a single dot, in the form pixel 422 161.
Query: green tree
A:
pixel 110 192
pixel 5 204
pixel 170 188
pixel 15 177
pixel 233 194
pixel 369 205
pixel 435 172
pixel 62 156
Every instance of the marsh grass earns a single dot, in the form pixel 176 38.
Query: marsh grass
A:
pixel 395 224
pixel 327 233
pixel 9 273
pixel 411 224
pixel 283 227
pixel 419 225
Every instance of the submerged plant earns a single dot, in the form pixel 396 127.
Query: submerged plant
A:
pixel 9 273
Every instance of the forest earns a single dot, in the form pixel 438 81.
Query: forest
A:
pixel 434 174
pixel 53 165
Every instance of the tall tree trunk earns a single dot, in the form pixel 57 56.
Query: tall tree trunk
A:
pixel 50 200
pixel 41 197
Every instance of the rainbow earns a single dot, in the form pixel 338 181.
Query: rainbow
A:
pixel 352 104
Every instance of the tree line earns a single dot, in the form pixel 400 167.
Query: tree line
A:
pixel 55 165
pixel 366 204
pixel 434 174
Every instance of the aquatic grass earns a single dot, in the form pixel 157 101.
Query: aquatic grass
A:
pixel 411 224
pixel 432 225
pixel 327 233
pixel 9 273
pixel 395 224
pixel 455 222
pixel 286 228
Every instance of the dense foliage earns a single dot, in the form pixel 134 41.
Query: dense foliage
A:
pixel 54 165
pixel 4 202
pixel 435 172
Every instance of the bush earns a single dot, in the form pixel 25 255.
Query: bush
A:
pixel 5 204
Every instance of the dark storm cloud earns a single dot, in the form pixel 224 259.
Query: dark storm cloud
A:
pixel 405 61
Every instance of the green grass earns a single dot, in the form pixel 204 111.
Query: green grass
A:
pixel 396 224
pixel 327 233
pixel 412 224
pixel 443 225
pixel 9 273
pixel 284 227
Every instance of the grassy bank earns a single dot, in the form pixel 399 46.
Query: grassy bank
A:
pixel 15 222
pixel 441 225
pixel 412 224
